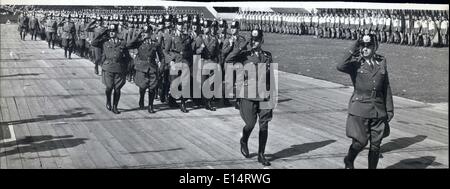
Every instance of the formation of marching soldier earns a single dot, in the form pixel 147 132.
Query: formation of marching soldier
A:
pixel 410 28
pixel 168 38
pixel 144 48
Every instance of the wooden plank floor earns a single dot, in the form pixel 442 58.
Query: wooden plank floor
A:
pixel 55 109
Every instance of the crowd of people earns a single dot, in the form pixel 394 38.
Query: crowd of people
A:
pixel 413 28
pixel 143 47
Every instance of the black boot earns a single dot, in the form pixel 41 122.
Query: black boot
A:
pixel 96 69
pixel 108 99
pixel 116 102
pixel 350 158
pixel 162 97
pixel 65 53
pixel 183 106
pixel 226 102
pixel 172 103
pixel 70 54
pixel 237 105
pixel 209 106
pixel 141 98
pixel 246 131
pixel 151 97
pixel 262 147
pixel 374 156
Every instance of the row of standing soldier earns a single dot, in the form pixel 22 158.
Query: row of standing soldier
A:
pixel 408 29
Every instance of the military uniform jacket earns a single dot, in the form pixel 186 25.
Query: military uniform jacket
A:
pixel 233 52
pixel 209 51
pixel 114 56
pixel 251 57
pixel 94 30
pixel 160 38
pixel 166 39
pixel 123 33
pixel 81 31
pixel 179 48
pixel 69 30
pixel 23 21
pixel 51 25
pixel 34 23
pixel 147 52
pixel 372 96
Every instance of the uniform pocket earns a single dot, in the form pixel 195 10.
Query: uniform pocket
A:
pixel 357 98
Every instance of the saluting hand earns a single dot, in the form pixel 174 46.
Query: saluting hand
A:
pixel 355 47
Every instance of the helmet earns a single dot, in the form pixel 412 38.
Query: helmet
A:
pixel 257 35
pixel 369 40
pixel 235 24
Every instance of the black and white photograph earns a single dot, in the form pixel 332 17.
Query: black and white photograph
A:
pixel 154 84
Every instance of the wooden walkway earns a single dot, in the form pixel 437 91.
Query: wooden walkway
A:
pixel 53 116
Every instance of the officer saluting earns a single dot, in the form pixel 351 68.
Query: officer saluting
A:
pixel 232 50
pixel 146 66
pixel 97 29
pixel 250 108
pixel 371 106
pixel 114 64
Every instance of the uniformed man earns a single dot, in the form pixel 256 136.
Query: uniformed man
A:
pixel 409 29
pixel 322 24
pixel 114 64
pixel 23 25
pixel 96 27
pixel 81 37
pixel 165 76
pixel 375 25
pixel 347 27
pixel 149 52
pixel 354 24
pixel 34 26
pixel 416 31
pixel 250 108
pixel 433 35
pixel 42 20
pixel 51 27
pixel 424 31
pixel 59 30
pixel 232 50
pixel 443 29
pixel 371 106
pixel 222 36
pixel 178 46
pixel 68 36
pixel 206 45
pixel 395 37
